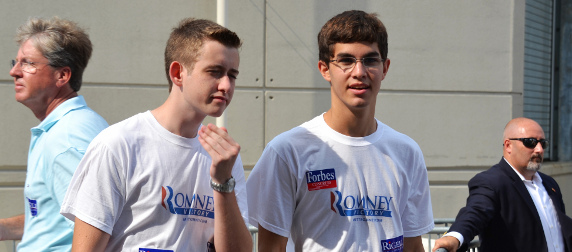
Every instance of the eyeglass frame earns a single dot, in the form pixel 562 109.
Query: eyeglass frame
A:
pixel 356 60
pixel 543 142
pixel 32 64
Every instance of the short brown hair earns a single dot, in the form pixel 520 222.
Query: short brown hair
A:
pixel 187 38
pixel 62 42
pixel 350 27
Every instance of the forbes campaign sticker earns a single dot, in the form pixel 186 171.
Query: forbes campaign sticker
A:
pixel 321 179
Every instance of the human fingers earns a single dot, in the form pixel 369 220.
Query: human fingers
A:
pixel 218 139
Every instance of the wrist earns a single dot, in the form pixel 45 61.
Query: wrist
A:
pixel 226 187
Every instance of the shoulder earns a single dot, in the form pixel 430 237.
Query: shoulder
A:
pixel 297 135
pixel 74 130
pixel 82 119
pixel 395 139
pixel 122 131
pixel 75 111
pixel 496 176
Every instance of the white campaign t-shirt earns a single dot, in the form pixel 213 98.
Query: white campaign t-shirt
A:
pixel 332 192
pixel 148 188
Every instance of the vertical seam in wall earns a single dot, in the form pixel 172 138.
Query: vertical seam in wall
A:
pixel 264 73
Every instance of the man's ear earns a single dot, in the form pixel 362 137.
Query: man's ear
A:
pixel 176 73
pixel 324 70
pixel 507 145
pixel 63 76
pixel 386 64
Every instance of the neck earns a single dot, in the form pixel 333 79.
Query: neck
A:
pixel 351 123
pixel 178 120
pixel 527 174
pixel 42 112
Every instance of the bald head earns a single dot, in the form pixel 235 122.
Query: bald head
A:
pixel 519 126
pixel 525 159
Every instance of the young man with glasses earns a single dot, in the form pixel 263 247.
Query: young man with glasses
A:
pixel 343 181
pixel 47 75
pixel 160 180
pixel 512 206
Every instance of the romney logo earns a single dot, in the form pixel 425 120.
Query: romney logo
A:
pixel 183 204
pixel 351 205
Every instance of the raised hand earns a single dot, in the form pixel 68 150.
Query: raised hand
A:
pixel 222 149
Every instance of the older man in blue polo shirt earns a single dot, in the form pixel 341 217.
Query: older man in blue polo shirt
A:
pixel 47 75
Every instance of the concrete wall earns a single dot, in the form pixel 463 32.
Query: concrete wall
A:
pixel 455 78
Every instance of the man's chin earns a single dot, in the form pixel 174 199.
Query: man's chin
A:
pixel 534 166
pixel 216 113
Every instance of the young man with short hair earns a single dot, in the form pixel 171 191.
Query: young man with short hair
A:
pixel 343 181
pixel 160 181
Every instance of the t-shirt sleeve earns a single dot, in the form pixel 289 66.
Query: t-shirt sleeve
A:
pixel 96 193
pixel 417 218
pixel 271 194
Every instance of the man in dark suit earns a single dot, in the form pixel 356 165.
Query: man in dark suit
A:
pixel 512 206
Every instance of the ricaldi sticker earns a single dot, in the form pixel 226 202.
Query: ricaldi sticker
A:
pixel 153 250
pixel 33 207
pixel 321 179
pixel 392 245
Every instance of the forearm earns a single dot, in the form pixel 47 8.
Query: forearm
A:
pixel 413 244
pixel 271 242
pixel 231 233
pixel 12 228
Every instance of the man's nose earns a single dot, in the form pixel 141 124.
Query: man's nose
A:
pixel 359 69
pixel 16 70
pixel 226 84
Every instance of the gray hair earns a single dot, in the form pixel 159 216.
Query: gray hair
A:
pixel 62 42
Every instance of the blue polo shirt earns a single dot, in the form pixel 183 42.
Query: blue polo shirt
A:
pixel 58 143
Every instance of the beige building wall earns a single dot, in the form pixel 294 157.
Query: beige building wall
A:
pixel 455 77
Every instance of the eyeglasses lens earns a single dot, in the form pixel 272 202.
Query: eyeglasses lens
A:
pixel 26 66
pixel 347 63
pixel 531 142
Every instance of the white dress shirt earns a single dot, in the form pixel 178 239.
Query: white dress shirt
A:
pixel 546 211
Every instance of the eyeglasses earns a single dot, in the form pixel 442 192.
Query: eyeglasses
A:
pixel 531 142
pixel 348 63
pixel 27 66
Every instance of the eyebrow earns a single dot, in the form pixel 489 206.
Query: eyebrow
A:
pixel 370 54
pixel 219 67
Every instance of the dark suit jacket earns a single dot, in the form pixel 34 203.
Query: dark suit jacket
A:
pixel 501 211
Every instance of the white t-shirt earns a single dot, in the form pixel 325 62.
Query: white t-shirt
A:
pixel 148 188
pixel 332 192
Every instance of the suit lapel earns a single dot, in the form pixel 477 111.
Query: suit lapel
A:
pixel 519 187
pixel 553 192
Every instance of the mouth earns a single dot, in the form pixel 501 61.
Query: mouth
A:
pixel 537 159
pixel 359 86
pixel 18 85
pixel 220 98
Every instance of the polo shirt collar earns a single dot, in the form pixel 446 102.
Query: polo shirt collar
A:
pixel 61 110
